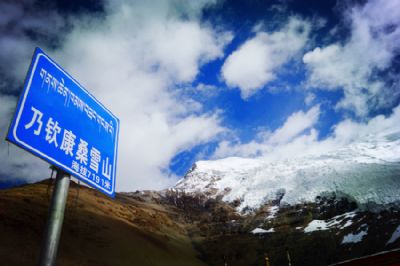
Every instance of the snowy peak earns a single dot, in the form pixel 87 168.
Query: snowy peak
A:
pixel 367 172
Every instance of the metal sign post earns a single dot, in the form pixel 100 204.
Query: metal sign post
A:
pixel 55 220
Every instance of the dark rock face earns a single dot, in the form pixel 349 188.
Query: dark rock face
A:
pixel 329 206
pixel 223 236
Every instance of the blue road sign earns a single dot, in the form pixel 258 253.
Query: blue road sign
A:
pixel 62 123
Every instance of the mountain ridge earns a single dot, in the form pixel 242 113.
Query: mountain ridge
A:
pixel 366 172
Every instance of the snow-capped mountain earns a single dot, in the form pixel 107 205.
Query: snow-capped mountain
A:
pixel 367 171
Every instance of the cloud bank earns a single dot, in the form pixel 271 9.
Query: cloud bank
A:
pixel 139 58
pixel 298 136
pixel 132 60
pixel 360 65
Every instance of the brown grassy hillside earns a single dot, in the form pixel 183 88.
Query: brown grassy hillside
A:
pixel 97 230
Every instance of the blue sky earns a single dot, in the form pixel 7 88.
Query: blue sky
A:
pixel 211 79
pixel 268 108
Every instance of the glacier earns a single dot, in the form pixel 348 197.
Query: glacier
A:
pixel 366 171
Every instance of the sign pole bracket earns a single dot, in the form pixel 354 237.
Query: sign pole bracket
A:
pixel 55 219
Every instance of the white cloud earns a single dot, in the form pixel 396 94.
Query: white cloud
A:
pixel 298 126
pixel 310 97
pixel 132 60
pixel 306 142
pixel 257 61
pixel 295 125
pixel 207 90
pixel 352 66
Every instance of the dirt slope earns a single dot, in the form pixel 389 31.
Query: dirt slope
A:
pixel 97 230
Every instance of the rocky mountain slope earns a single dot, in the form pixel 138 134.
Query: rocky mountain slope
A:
pixel 367 172
pixel 319 209
pixel 177 228
pixel 325 231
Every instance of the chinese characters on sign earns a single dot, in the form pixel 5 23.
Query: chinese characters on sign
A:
pixel 80 153
pixel 59 121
